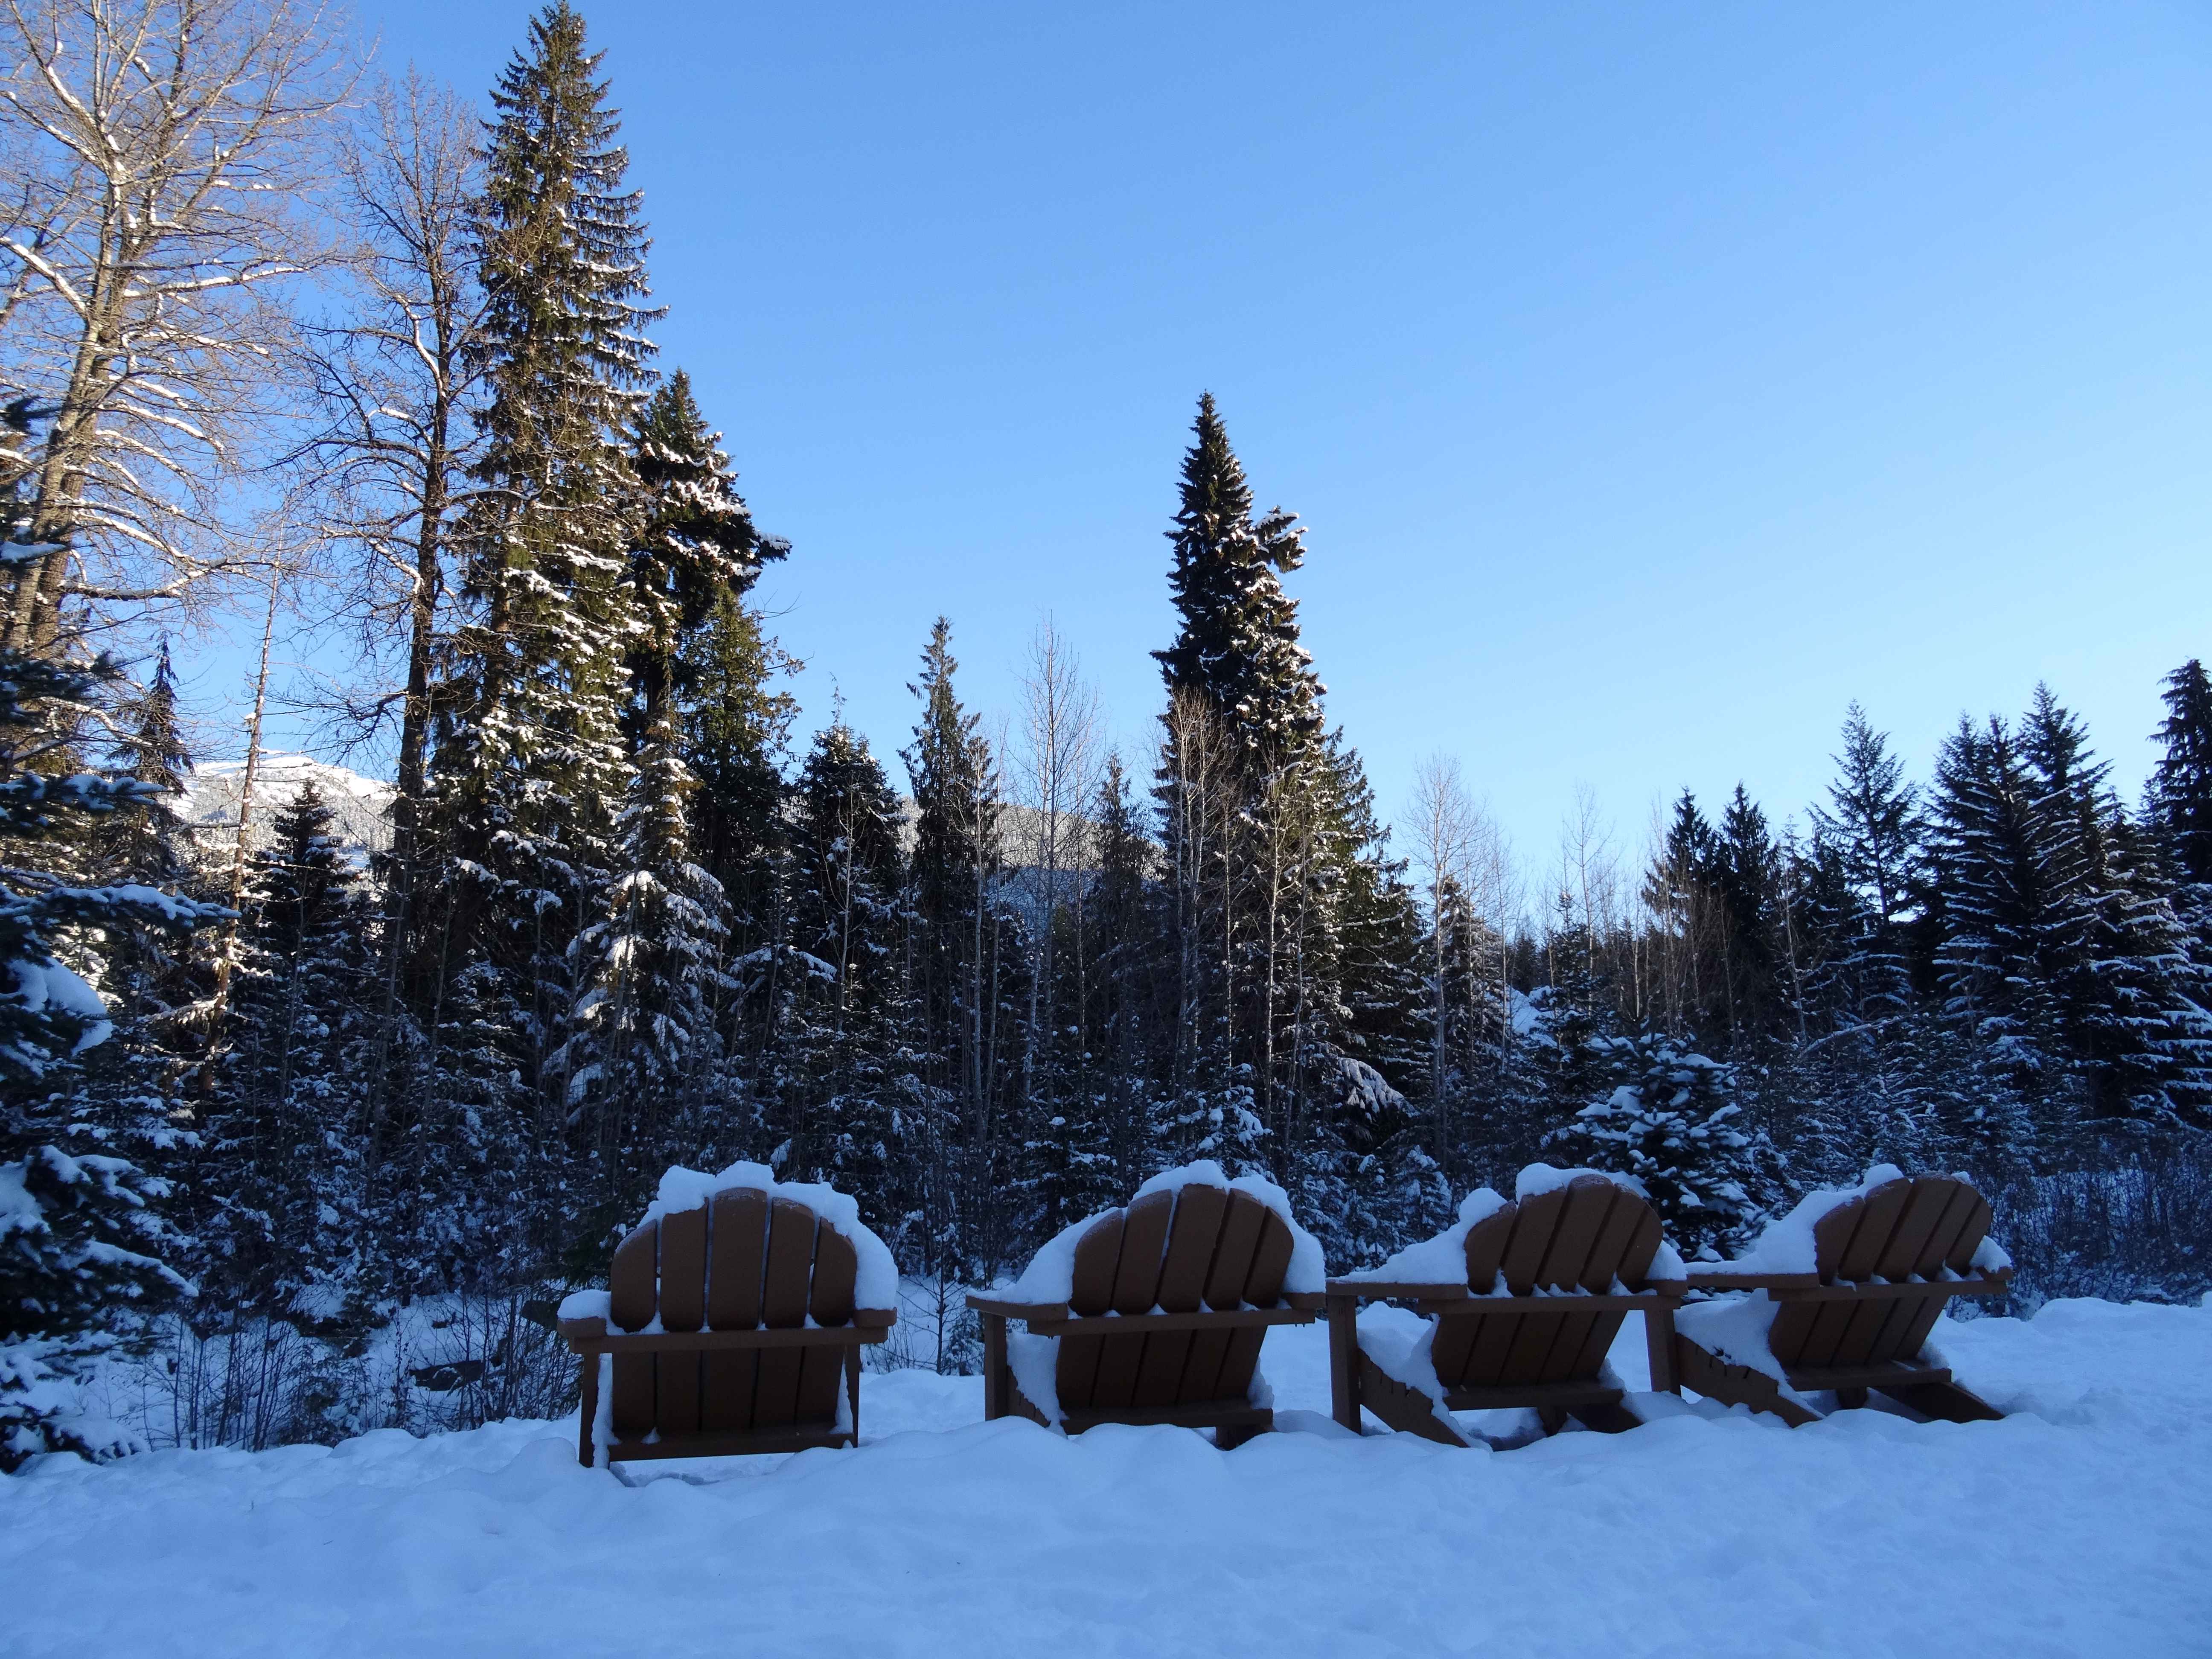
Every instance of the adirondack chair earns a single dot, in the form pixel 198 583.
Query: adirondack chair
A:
pixel 1524 1299
pixel 1843 1294
pixel 728 1321
pixel 1155 1313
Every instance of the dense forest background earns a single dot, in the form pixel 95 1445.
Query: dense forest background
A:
pixel 296 1142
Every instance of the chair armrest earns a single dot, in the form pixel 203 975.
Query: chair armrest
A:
pixel 574 1331
pixel 991 1304
pixel 876 1319
pixel 1725 1276
pixel 1387 1289
pixel 1311 1300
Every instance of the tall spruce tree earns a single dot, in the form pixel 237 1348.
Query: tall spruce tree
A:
pixel 530 767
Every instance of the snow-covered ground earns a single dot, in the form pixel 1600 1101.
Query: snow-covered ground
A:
pixel 2081 1525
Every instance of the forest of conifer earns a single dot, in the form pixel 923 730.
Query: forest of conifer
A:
pixel 296 1140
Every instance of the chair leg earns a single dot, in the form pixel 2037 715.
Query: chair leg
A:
pixel 997 1374
pixel 1850 1400
pixel 589 1388
pixel 853 1389
pixel 1344 1360
pixel 1659 1346
pixel 1229 1436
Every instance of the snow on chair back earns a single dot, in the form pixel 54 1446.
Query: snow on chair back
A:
pixel 1199 1245
pixel 1582 1235
pixel 1899 1230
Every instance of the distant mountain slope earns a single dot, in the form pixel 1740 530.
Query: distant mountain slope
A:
pixel 358 803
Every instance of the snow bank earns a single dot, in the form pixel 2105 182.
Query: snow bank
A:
pixel 1050 1275
pixel 2078 1527
pixel 876 1284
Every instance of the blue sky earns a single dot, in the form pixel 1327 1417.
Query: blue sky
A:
pixel 1653 380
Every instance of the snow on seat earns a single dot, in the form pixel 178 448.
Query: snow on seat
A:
pixel 731 1311
pixel 1842 1294
pixel 1155 1313
pixel 1523 1298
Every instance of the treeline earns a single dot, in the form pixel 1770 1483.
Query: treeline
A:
pixel 622 922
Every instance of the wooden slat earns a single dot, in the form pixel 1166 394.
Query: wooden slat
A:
pixel 1453 1344
pixel 1159 1373
pixel 1532 1346
pixel 1271 1261
pixel 1856 1344
pixel 1878 1213
pixel 734 1258
pixel 1344 1361
pixel 1794 1322
pixel 1404 1408
pixel 1396 1290
pixel 829 1303
pixel 1239 1363
pixel 1144 1234
pixel 1597 1342
pixel 1075 1373
pixel 1917 1330
pixel 729 1341
pixel 1114 1387
pixel 1200 1211
pixel 1202 1370
pixel 1153 1323
pixel 1909 1289
pixel 1492 1342
pixel 1608 1255
pixel 726 1379
pixel 1532 1237
pixel 1581 1219
pixel 631 1281
pixel 1196 1229
pixel 785 1286
pixel 631 1395
pixel 836 1269
pixel 1643 1249
pixel 1971 1236
pixel 1232 1256
pixel 1097 1253
pixel 676 1393
pixel 1945 1235
pixel 684 1270
pixel 1473 1307
pixel 1486 1247
pixel 1833 1235
pixel 1005 1309
pixel 1930 1197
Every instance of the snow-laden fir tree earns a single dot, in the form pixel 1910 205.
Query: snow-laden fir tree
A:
pixel 529 769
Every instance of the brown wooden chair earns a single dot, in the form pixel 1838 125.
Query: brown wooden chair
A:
pixel 1168 1304
pixel 728 1325
pixel 1884 1263
pixel 1529 1323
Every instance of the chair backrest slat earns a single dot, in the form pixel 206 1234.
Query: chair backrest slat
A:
pixel 684 1270
pixel 790 1264
pixel 1608 1256
pixel 1857 1233
pixel 1097 1254
pixel 1532 1236
pixel 1977 1228
pixel 1232 1269
pixel 1486 1248
pixel 1581 1219
pixel 631 1292
pixel 1191 1239
pixel 836 1270
pixel 1271 1262
pixel 1922 1210
pixel 1943 1238
pixel 1144 1233
pixel 738 1249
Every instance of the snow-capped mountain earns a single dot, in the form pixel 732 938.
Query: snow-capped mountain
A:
pixel 360 804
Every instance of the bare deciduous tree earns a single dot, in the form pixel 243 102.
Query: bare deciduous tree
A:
pixel 168 153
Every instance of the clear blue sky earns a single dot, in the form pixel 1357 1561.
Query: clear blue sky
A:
pixel 1652 380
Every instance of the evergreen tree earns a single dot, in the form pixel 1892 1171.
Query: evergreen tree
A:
pixel 530 767
pixel 1868 844
pixel 2181 787
pixel 84 1245
pixel 277 1179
